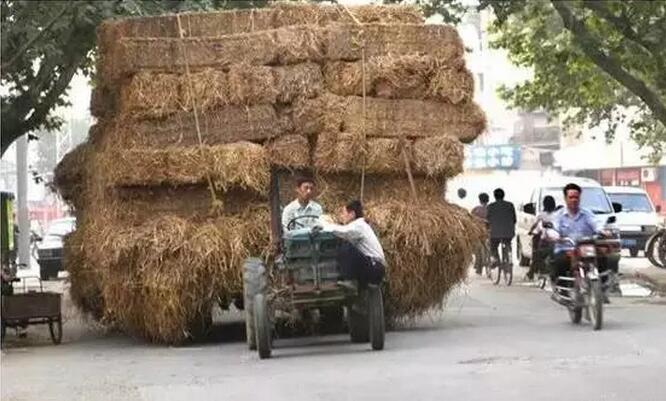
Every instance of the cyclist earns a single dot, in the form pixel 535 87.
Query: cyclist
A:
pixel 502 221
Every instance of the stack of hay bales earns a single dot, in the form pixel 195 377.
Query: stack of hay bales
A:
pixel 171 189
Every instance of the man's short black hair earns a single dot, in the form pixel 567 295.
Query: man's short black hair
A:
pixel 355 206
pixel 484 198
pixel 571 186
pixel 498 194
pixel 303 179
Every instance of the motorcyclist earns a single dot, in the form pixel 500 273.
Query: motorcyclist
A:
pixel 571 222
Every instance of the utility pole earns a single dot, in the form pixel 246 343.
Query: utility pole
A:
pixel 23 216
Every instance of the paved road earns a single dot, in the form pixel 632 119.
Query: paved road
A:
pixel 491 343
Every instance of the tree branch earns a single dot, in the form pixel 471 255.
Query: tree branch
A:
pixel 29 43
pixel 592 48
pixel 623 26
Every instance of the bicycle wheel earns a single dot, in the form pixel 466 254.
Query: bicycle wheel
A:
pixel 507 266
pixel 650 248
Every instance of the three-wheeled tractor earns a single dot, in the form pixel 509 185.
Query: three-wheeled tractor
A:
pixel 303 278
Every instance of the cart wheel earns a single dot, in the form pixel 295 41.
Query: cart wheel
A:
pixel 359 329
pixel 55 328
pixel 262 326
pixel 376 317
pixel 254 283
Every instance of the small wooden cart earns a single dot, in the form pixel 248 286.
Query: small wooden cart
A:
pixel 29 307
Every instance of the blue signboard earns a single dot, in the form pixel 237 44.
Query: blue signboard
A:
pixel 492 157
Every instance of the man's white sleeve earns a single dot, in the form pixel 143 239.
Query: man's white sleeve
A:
pixel 348 231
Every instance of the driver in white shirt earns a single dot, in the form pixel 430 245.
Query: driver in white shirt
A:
pixel 293 215
pixel 361 256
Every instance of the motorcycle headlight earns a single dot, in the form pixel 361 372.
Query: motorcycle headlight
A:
pixel 587 251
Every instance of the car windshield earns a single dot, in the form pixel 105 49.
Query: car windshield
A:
pixel 60 228
pixel 592 199
pixel 632 202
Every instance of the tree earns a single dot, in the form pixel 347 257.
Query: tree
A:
pixel 45 43
pixel 593 62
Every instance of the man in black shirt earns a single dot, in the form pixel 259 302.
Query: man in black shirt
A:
pixel 502 221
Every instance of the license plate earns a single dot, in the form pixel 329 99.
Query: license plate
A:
pixel 628 243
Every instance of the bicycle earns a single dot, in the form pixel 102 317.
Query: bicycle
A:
pixel 655 249
pixel 503 267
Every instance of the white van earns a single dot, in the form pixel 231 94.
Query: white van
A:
pixel 638 220
pixel 594 198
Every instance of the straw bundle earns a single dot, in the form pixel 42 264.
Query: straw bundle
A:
pixel 70 178
pixel 404 118
pixel 191 202
pixel 289 45
pixel 291 151
pixel 220 125
pixel 434 156
pixel 346 42
pixel 401 77
pixel 158 276
pixel 438 156
pixel 241 164
pixel 84 279
pixel 156 95
pixel 428 246
pixel 340 152
pixel 212 24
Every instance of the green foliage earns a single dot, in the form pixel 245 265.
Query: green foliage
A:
pixel 594 63
pixel 45 43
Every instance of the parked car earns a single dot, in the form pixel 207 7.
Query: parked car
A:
pixel 639 218
pixel 594 198
pixel 50 247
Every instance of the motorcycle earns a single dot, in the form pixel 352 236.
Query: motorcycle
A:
pixel 584 291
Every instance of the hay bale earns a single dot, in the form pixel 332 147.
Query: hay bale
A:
pixel 298 81
pixel 291 151
pixel 405 118
pixel 428 246
pixel 193 203
pixel 157 277
pixel 84 279
pixel 440 156
pixel 221 23
pixel 401 77
pixel 346 42
pixel 156 95
pixel 220 125
pixel 340 152
pixel 150 95
pixel 290 45
pixel 242 164
pixel 69 176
